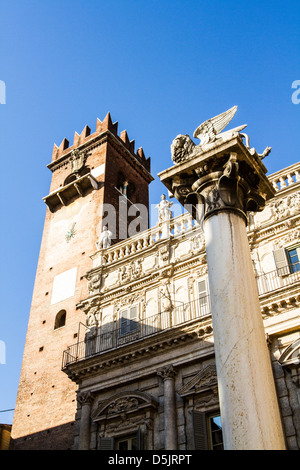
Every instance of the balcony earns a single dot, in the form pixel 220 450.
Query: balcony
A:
pixel 134 331
pixel 76 188
pixel 281 278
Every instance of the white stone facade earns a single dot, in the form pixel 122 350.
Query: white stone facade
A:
pixel 148 354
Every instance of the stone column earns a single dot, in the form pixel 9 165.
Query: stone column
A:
pixel 85 399
pixel 226 182
pixel 168 374
pixel 248 400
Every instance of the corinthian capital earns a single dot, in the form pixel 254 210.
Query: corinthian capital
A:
pixel 167 372
pixel 226 177
pixel 85 398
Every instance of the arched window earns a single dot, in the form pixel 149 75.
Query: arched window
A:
pixel 60 319
pixel 122 184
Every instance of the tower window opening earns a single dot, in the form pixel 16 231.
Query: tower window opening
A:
pixel 60 319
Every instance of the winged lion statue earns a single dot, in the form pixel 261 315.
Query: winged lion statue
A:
pixel 183 148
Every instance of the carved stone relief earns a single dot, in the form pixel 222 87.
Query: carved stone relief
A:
pixel 94 283
pixel 292 236
pixel 198 243
pixel 286 207
pixel 131 271
pixel 203 387
pixel 91 308
pixel 77 160
pixel 127 408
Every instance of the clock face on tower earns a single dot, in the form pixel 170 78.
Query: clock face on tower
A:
pixel 70 233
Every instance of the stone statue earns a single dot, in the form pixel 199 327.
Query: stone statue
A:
pixel 183 148
pixel 164 211
pixel 252 150
pixel 105 239
pixel 208 132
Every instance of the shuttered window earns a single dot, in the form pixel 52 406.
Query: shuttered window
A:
pixel 207 431
pixel 129 320
pixel 281 262
pixel 200 431
pixel 203 297
pixel 106 443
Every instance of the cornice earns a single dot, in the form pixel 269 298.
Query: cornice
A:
pixel 273 230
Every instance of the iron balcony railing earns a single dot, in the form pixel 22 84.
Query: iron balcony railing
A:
pixel 134 330
pixel 282 277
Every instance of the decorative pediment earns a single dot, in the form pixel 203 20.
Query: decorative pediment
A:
pixel 123 404
pixel 204 381
pixel 291 355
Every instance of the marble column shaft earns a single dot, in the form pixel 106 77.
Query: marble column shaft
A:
pixel 170 422
pixel 222 185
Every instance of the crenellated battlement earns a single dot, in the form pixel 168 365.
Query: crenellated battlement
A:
pixel 101 127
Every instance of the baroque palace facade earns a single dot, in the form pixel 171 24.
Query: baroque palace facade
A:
pixel 120 345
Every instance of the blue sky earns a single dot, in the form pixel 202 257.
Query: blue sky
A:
pixel 160 68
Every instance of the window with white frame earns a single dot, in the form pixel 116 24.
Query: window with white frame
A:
pixel 129 320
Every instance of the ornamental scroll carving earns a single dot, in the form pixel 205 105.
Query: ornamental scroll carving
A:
pixel 123 404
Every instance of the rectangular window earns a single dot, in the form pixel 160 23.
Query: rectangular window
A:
pixel 293 255
pixel 126 443
pixel 130 442
pixel 287 260
pixel 281 262
pixel 129 320
pixel 203 297
pixel 215 432
pixel 207 431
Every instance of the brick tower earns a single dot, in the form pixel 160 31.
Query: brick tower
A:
pixel 98 170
